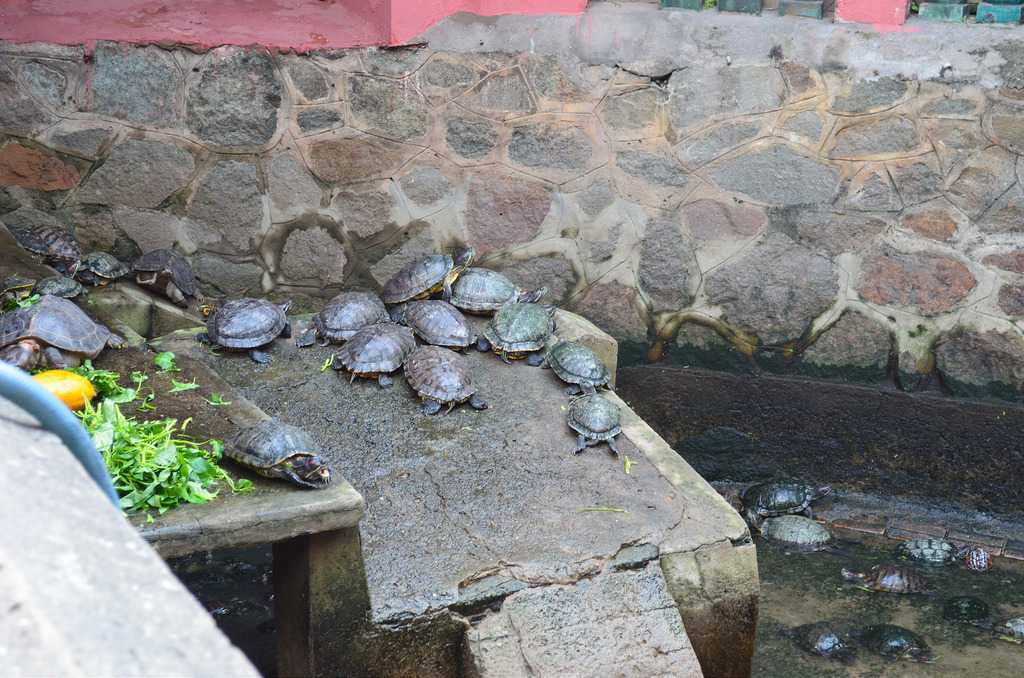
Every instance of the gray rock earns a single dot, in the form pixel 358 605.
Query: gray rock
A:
pixel 418 241
pixel 553 272
pixel 1006 215
pixel 313 256
pixel 8 202
pixel 807 124
pixel 831 233
pixel 293 190
pixel 94 227
pixel 318 118
pixel 854 342
pixel 652 167
pixel 365 211
pixel 707 146
pixel 308 78
pixel 504 209
pixel 876 137
pixel 980 181
pixel 872 191
pixel 703 91
pixel 917 180
pixel 86 143
pixel 228 201
pixel 596 197
pixel 954 141
pixel 137 84
pixel 1011 300
pixel 711 220
pixel 775 291
pixel 46 82
pixel 151 229
pixel 633 557
pixel 949 107
pixel 391 109
pixel 615 308
pixel 598 244
pixel 975 363
pixel 426 186
pixel 632 111
pixel 550 145
pixel 778 175
pixel 870 95
pixel 356 158
pixel 552 80
pixel 19 112
pixel 27 218
pixel 165 167
pixel 234 103
pixel 501 96
pixel 471 138
pixel 446 74
pixel 698 345
pixel 1007 125
pixel 223 276
pixel 667 264
pixel 395 62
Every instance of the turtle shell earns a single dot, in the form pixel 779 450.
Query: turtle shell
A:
pixel 967 610
pixel 268 443
pixel 347 313
pixel 172 264
pixel 55 245
pixel 16 284
pixel 481 290
pixel 821 639
pixel 377 349
pixel 797 531
pixel 574 363
pixel 418 278
pixel 439 323
pixel 1012 629
pixel 594 416
pixel 934 552
pixel 895 641
pixel 56 322
pixel 246 323
pixel 59 286
pixel 96 268
pixel 890 579
pixel 520 328
pixel 440 374
pixel 977 559
pixel 777 498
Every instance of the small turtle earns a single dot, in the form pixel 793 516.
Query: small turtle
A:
pixel 820 638
pixel 483 291
pixel 376 351
pixel 888 579
pixel 441 376
pixel 797 531
pixel 595 419
pixel 577 365
pixel 277 450
pixel 1011 630
pixel 342 317
pixel 247 325
pixel 59 286
pixel 52 333
pixel 14 288
pixel 100 268
pixel 929 552
pixel 426 276
pixel 519 330
pixel 55 245
pixel 968 610
pixel 776 498
pixel 976 558
pixel 896 642
pixel 166 272
pixel 439 323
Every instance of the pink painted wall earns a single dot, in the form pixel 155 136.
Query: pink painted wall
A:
pixel 301 25
pixel 884 12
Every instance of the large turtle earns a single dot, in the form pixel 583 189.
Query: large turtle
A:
pixel 440 377
pixel 578 366
pixel 1011 630
pixel 776 498
pixel 56 246
pixel 519 330
pixel 100 268
pixel 52 333
pixel 15 288
pixel 342 317
pixel 247 325
pixel 888 579
pixel 483 291
pixel 376 351
pixel 166 272
pixel 821 638
pixel 595 419
pixel 797 532
pixel 425 276
pixel 929 551
pixel 277 450
pixel 439 323
pixel 894 641
pixel 59 286
pixel 967 610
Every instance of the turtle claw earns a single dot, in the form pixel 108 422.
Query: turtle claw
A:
pixel 504 358
pixel 613 447
pixel 477 403
pixel 430 407
pixel 581 444
pixel 259 357
pixel 306 339
pixel 572 390
pixel 483 345
pixel 385 380
pixel 534 360
pixel 286 333
pixel 203 338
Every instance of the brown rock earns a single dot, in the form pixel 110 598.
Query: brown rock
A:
pixel 936 224
pixel 553 272
pixel 502 210
pixel 1010 261
pixel 615 309
pixel 313 256
pixel 356 158
pixel 1011 299
pixel 930 283
pixel 35 169
pixel 712 220
pixel 974 363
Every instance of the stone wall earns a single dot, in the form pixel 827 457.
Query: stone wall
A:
pixel 772 214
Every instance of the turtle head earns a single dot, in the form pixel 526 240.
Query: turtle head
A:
pixel 850 575
pixel 923 655
pixel 463 259
pixel 24 354
pixel 307 469
pixel 532 296
pixel 285 306
pixel 821 491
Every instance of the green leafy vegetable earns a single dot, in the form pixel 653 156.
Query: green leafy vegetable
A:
pixel 627 464
pixel 165 361
pixel 327 363
pixel 179 386
pixel 602 509
pixel 14 304
pixel 217 400
pixel 106 383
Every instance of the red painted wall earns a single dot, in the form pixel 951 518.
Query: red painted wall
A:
pixel 409 18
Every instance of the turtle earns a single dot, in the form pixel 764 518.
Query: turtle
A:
pixel 59 286
pixel 797 531
pixel 168 273
pixel 483 291
pixel 247 325
pixel 425 276
pixel 100 268
pixel 975 558
pixel 820 638
pixel 56 246
pixel 277 450
pixel 888 579
pixel 929 552
pixel 897 642
pixel 376 351
pixel 968 610
pixel 439 323
pixel 519 330
pixel 595 419
pixel 343 316
pixel 440 377
pixel 1011 630
pixel 52 333
pixel 14 288
pixel 578 366
pixel 776 498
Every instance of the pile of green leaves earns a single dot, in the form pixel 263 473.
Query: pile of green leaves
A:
pixel 24 302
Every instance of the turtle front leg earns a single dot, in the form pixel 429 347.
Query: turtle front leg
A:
pixel 588 389
pixel 446 292
pixel 430 406
pixel 613 447
pixel 24 354
pixel 483 345
pixel 260 356
pixel 477 403
pixel 286 332
pixel 115 340
pixel 572 390
pixel 504 358
pixel 581 444
pixel 204 338
pixel 535 359
pixel 175 295
pixel 385 380
pixel 306 339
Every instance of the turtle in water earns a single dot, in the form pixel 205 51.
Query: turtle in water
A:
pixel 895 642
pixel 519 330
pixel 166 272
pixel 928 552
pixel 14 288
pixel 100 268
pixel 595 419
pixel 967 610
pixel 247 325
pixel 439 323
pixel 821 638
pixel 976 558
pixel 483 291
pixel 776 498
pixel 376 351
pixel 342 317
pixel 52 333
pixel 798 532
pixel 1011 630
pixel 277 450
pixel 56 246
pixel 578 366
pixel 425 276
pixel 888 579
pixel 59 286
pixel 441 377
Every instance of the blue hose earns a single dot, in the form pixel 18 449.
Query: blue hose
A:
pixel 55 417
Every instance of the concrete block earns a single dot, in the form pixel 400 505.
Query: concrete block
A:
pixel 993 13
pixel 744 6
pixel 942 11
pixel 811 9
pixel 695 5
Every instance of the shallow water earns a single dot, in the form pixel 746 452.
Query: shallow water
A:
pixel 799 588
